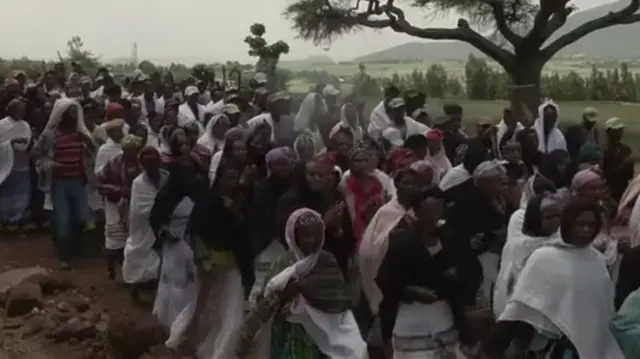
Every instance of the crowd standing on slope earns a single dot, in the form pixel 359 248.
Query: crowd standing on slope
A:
pixel 268 232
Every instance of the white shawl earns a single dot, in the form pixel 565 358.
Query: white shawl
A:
pixel 141 263
pixel 186 116
pixel 567 289
pixel 214 108
pixel 556 139
pixel 9 130
pixel 373 247
pixel 441 164
pixel 378 121
pixel 335 334
pixel 308 110
pixel 207 140
pixel 385 180
pixel 502 130
pixel 344 123
pixel 106 153
pixel 59 107
pixel 454 177
pixel 213 166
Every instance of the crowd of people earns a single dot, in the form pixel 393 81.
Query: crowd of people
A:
pixel 270 232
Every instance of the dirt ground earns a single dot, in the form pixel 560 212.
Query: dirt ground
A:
pixel 89 280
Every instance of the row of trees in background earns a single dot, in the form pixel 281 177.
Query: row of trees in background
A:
pixel 267 55
pixel 484 82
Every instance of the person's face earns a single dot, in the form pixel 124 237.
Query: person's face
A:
pixel 550 117
pixel 260 141
pixel 234 119
pixel 408 188
pixel 421 151
pixel 193 99
pixel 115 134
pixel 550 218
pixel 49 79
pixel 69 118
pixel 434 146
pixel 584 229
pixel 494 186
pixel 220 128
pixel 330 100
pixel 239 150
pixel 351 113
pixel 360 163
pixel 397 115
pixel 130 154
pixel 150 162
pixel 20 111
pixel 593 189
pixel 229 180
pixel 512 153
pixel 156 122
pixel 343 143
pixel 86 87
pixel 530 142
pixel 309 237
pixel 486 130
pixel 305 150
pixel 456 119
pixel 424 119
pixel 281 168
pixel 319 176
pixel 171 116
pixel 615 135
pixel 135 113
pixel 90 118
pixel 141 132
pixel 431 211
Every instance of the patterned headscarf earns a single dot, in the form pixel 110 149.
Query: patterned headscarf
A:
pixel 304 140
pixel 360 148
pixel 300 217
pixel 279 154
pixel 424 169
pixel 585 177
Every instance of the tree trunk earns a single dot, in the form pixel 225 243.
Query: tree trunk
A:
pixel 525 89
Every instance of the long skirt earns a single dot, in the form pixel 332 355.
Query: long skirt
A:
pixel 262 265
pixel 425 331
pixel 115 227
pixel 220 313
pixel 177 295
pixel 15 197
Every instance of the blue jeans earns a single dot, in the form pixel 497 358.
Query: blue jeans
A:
pixel 70 214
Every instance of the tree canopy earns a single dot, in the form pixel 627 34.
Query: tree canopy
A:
pixel 522 27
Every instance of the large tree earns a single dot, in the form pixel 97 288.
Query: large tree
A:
pixel 519 42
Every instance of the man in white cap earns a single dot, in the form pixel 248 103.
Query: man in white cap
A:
pixel 396 110
pixel 617 160
pixel 191 111
pixel 587 130
pixel 278 117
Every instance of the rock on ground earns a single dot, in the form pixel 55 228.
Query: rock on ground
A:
pixel 22 299
pixel 129 338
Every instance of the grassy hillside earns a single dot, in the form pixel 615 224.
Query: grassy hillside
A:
pixel 598 45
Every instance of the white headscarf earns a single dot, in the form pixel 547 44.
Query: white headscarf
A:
pixel 207 140
pixel 59 107
pixel 11 129
pixel 344 123
pixel 308 110
pixel 556 139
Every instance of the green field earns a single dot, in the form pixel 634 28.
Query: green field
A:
pixel 454 68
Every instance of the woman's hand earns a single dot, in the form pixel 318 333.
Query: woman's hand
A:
pixel 332 216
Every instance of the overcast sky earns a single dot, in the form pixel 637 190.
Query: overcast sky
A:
pixel 210 30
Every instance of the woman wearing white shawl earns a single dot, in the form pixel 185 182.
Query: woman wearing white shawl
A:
pixel 213 137
pixel 539 227
pixel 564 294
pixel 111 148
pixel 312 109
pixel 507 125
pixel 141 263
pixel 349 119
pixel 177 296
pixel 550 137
pixel 15 177
pixel 315 321
pixel 436 154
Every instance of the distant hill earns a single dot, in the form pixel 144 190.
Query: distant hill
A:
pixel 311 60
pixel 603 44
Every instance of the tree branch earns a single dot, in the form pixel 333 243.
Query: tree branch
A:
pixel 625 16
pixel 549 18
pixel 461 33
pixel 498 11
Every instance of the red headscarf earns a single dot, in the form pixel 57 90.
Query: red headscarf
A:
pixel 114 111
pixel 434 134
pixel 399 158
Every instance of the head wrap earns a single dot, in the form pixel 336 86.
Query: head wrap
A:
pixel 279 154
pixel 149 155
pixel 359 148
pixel 435 134
pixel 304 140
pixel 585 177
pixel 491 168
pixel 235 133
pixel 300 217
pixel 13 104
pixel 113 124
pixel 399 158
pixel 424 169
pixel 131 142
pixel 113 109
pixel 589 152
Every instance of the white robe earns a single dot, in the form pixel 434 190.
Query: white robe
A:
pixel 567 290
pixel 207 140
pixel 555 140
pixel 186 116
pixel 141 262
pixel 9 130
